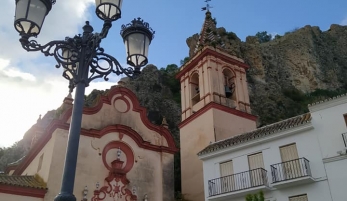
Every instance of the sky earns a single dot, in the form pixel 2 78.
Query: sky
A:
pixel 30 84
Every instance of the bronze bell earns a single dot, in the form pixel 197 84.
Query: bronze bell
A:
pixel 228 92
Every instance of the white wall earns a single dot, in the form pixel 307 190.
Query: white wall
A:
pixel 317 191
pixel 47 152
pixel 11 197
pixel 319 145
pixel 337 179
pixel 329 122
pixel 307 145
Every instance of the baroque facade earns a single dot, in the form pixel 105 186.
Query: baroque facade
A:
pixel 122 155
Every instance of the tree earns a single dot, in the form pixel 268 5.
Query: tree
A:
pixel 278 36
pixel 255 197
pixel 11 154
pixel 263 37
pixel 170 80
pixel 184 61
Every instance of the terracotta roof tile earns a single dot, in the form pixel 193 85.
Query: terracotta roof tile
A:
pixel 326 100
pixel 258 133
pixel 23 181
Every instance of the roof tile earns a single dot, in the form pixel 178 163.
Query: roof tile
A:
pixel 23 181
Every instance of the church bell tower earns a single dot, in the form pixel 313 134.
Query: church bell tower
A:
pixel 215 104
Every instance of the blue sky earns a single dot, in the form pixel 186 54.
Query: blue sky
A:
pixel 30 85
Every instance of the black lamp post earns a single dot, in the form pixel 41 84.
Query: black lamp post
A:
pixel 80 59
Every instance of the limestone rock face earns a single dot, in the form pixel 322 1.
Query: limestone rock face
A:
pixel 156 97
pixel 305 59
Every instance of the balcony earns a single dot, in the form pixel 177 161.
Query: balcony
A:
pixel 237 185
pixel 291 173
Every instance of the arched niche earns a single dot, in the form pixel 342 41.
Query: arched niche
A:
pixel 195 88
pixel 229 83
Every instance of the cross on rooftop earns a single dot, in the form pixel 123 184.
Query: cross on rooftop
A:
pixel 207 6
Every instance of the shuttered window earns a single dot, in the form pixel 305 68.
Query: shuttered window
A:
pixel 226 168
pixel 257 177
pixel 299 198
pixel 255 161
pixel 289 152
pixel 227 180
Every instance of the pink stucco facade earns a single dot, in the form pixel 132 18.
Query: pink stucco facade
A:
pixel 209 114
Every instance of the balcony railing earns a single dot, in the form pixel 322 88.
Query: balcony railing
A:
pixel 344 137
pixel 290 170
pixel 237 182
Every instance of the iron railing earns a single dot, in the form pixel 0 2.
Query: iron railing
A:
pixel 344 137
pixel 239 181
pixel 290 170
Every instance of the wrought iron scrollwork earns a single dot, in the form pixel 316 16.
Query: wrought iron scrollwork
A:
pixel 81 57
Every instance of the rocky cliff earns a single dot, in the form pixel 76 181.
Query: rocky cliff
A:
pixel 286 71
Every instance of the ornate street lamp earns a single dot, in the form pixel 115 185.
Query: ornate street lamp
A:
pixel 80 59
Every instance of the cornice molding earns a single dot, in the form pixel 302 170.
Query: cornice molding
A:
pixel 23 191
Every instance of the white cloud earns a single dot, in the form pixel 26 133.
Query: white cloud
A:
pixel 15 73
pixel 29 83
pixel 344 21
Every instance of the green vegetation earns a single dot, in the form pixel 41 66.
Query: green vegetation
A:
pixel 184 61
pixel 255 197
pixel 231 35
pixel 263 36
pixel 180 197
pixel 304 99
pixel 169 79
pixel 11 154
pixel 277 36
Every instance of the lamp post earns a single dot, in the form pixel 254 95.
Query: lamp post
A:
pixel 80 59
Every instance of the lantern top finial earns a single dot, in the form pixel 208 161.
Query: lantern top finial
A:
pixel 137 24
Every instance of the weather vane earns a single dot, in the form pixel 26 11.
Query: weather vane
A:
pixel 207 6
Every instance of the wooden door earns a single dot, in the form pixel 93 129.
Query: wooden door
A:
pixel 227 176
pixel 257 176
pixel 290 162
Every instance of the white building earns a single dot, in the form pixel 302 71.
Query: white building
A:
pixel 298 159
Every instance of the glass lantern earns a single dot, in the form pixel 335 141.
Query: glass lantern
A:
pixel 108 9
pixel 30 15
pixel 137 37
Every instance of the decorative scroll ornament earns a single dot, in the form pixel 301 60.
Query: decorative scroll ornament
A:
pixel 78 53
pixel 116 183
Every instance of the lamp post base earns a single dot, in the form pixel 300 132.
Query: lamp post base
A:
pixel 65 197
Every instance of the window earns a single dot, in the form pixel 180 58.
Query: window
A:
pixel 298 198
pixel 289 152
pixel 40 163
pixel 255 161
pixel 226 168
